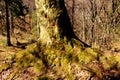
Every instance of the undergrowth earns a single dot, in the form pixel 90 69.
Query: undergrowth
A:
pixel 65 61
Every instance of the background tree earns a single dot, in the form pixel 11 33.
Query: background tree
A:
pixel 18 11
pixel 2 17
pixel 94 21
pixel 7 23
pixel 15 9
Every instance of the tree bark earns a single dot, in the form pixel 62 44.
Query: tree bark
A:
pixel 54 21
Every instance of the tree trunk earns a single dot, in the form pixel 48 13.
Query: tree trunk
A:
pixel 11 23
pixel 7 24
pixel 54 21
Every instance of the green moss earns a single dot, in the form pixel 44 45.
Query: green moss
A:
pixel 108 62
pixel 91 52
pixel 6 62
pixel 85 58
pixel 3 42
pixel 12 75
pixel 117 58
pixel 43 78
pixel 4 66
pixel 66 68
pixel 77 43
pixel 58 57
pixel 38 66
pixel 27 57
pixel 34 33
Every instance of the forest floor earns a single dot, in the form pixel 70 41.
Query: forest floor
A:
pixel 8 70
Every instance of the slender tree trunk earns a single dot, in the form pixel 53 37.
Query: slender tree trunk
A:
pixel 12 23
pixel 7 24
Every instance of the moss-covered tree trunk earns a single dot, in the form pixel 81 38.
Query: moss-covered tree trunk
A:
pixel 53 21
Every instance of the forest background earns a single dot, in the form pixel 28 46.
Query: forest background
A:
pixel 95 22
